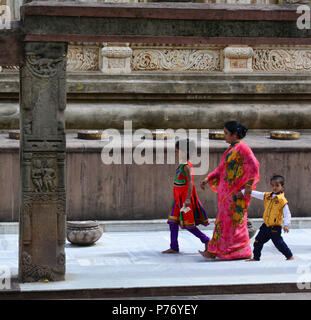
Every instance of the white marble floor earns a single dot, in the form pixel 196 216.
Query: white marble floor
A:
pixel 134 259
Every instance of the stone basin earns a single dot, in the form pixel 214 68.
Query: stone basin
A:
pixel 83 233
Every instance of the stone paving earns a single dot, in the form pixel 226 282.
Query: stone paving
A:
pixel 134 260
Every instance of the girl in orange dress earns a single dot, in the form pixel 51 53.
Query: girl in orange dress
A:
pixel 186 210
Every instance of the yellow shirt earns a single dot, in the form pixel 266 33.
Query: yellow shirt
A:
pixel 273 213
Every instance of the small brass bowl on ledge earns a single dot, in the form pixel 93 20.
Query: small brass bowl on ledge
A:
pixel 284 135
pixel 158 135
pixel 92 135
pixel 14 135
pixel 216 135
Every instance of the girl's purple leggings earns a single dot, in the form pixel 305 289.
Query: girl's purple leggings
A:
pixel 174 235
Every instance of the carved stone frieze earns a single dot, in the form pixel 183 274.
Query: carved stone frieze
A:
pixel 171 59
pixel 83 58
pixel 282 60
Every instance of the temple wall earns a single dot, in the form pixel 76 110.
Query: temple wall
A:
pixel 162 86
pixel 123 192
pixel 167 86
pixel 265 87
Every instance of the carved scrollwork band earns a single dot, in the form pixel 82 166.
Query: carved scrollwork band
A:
pixel 86 57
pixel 83 58
pixel 175 59
pixel 282 60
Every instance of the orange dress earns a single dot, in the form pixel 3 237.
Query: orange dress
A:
pixel 196 215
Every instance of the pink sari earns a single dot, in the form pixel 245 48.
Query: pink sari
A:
pixel 230 238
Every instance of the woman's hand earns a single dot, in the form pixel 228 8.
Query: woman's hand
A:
pixel 203 183
pixel 239 195
pixel 187 203
pixel 249 187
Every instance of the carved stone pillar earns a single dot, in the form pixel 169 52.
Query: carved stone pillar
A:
pixel 42 162
pixel 238 59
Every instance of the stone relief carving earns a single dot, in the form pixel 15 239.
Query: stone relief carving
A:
pixel 82 58
pixel 43 175
pixel 115 58
pixel 44 198
pixel 278 60
pixel 238 59
pixel 49 176
pixel 238 52
pixel 32 272
pixel 36 175
pixel 175 59
pixel 27 126
pixel 86 58
pixel 27 234
pixel 42 67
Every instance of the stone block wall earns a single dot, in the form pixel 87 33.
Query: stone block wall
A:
pixel 96 191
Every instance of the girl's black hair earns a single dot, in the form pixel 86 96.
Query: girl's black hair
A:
pixel 236 127
pixel 185 145
pixel 278 178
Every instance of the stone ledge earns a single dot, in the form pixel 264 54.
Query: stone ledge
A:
pixel 258 140
pixel 191 84
pixel 154 225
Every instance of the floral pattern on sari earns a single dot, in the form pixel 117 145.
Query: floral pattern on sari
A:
pixel 238 208
pixel 217 232
pixel 234 166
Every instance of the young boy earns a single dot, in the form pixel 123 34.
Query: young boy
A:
pixel 275 211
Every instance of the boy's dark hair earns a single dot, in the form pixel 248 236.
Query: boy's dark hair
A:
pixel 236 127
pixel 278 178
pixel 185 145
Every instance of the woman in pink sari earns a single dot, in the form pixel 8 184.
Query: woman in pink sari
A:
pixel 238 168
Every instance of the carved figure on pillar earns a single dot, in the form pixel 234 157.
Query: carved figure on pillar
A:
pixel 49 176
pixel 36 175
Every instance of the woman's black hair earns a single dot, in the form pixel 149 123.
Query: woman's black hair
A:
pixel 278 178
pixel 236 127
pixel 185 145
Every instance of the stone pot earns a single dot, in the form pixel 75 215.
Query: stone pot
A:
pixel 83 233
